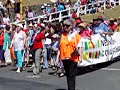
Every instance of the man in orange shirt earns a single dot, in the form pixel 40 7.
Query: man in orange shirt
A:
pixel 68 45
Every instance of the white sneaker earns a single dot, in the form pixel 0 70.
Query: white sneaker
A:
pixel 18 71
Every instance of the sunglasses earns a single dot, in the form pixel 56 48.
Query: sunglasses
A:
pixel 66 25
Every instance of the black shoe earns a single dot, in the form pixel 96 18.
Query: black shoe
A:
pixel 41 69
pixel 55 74
pixel 50 66
pixel 35 73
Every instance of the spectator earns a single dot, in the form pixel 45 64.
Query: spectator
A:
pixel 112 25
pixel 31 13
pixel 60 6
pixel 118 25
pixel 17 18
pixel 83 31
pixel 101 28
pixel 76 5
pixel 26 12
pixel 74 15
pixel 48 9
pixel 6 19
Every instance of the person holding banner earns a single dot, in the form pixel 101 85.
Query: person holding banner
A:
pixel 101 27
pixel 68 52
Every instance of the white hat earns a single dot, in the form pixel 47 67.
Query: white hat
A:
pixel 42 6
pixel 30 25
pixel 45 4
pixel 12 1
pixel 48 5
pixel 42 24
pixel 53 1
pixel 35 25
pixel 55 36
pixel 20 25
pixel 14 23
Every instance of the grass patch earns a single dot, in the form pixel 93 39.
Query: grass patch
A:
pixel 108 13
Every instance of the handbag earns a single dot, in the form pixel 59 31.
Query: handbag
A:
pixel 12 54
pixel 7 55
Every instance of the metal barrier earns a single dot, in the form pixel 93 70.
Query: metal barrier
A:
pixel 82 10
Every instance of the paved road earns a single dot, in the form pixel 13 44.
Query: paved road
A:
pixel 98 77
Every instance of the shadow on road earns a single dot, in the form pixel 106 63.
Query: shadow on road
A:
pixel 91 68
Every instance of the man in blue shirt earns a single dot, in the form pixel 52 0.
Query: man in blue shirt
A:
pixel 60 7
pixel 101 27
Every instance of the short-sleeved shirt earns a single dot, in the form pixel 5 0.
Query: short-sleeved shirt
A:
pixel 60 7
pixel 18 41
pixel 113 27
pixel 38 41
pixel 1 40
pixel 101 28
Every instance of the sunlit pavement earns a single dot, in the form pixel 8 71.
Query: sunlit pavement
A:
pixel 98 77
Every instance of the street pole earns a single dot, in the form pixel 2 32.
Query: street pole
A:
pixel 21 10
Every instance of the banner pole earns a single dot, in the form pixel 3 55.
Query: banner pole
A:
pixel 21 11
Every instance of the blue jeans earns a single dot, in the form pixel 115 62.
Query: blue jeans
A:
pixel 52 60
pixel 19 57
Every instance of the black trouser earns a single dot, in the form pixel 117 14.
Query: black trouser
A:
pixel 71 70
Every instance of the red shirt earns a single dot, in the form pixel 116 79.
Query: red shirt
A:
pixel 25 30
pixel 83 2
pixel 38 41
pixel 1 40
pixel 85 33
pixel 113 27
pixel 74 15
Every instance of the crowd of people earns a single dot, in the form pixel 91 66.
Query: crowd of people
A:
pixel 49 44
pixel 46 9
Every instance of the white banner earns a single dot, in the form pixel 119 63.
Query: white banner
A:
pixel 101 48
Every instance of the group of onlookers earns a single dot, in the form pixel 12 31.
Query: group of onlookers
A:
pixel 51 45
pixel 46 36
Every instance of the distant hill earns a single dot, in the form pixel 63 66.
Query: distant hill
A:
pixel 109 13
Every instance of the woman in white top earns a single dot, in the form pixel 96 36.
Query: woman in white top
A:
pixel 18 43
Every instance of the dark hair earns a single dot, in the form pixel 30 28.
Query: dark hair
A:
pixel 7 27
pixel 54 27
pixel 100 19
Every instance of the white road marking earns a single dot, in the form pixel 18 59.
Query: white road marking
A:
pixel 110 69
pixel 33 76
